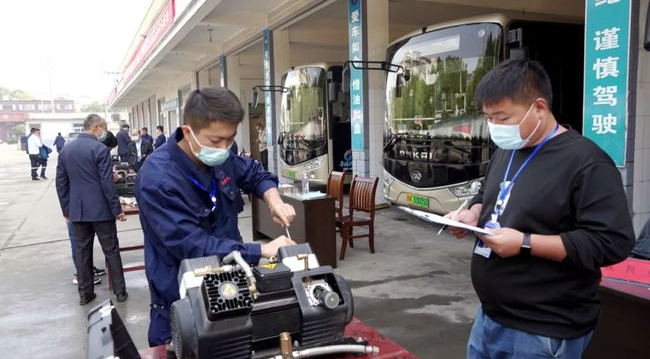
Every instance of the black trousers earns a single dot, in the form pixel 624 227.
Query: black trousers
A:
pixel 84 237
pixel 43 163
pixel 35 162
pixel 265 159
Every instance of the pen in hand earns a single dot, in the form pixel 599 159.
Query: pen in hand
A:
pixel 453 214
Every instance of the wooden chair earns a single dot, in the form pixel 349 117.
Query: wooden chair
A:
pixel 335 182
pixel 362 198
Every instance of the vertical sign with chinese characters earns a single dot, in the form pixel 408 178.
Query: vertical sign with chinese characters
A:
pixel 355 39
pixel 607 44
pixel 268 107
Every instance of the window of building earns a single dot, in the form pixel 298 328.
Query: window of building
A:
pixel 77 127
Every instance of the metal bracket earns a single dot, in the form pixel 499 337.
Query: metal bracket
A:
pixel 271 88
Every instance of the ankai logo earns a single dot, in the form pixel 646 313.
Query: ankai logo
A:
pixel 416 176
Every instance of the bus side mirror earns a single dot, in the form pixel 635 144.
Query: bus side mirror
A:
pixel 398 85
pixel 345 80
pixel 646 37
pixel 333 91
pixel 256 98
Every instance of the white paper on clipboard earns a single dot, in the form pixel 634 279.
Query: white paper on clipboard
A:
pixel 434 218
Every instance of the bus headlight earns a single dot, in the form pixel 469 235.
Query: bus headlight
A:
pixel 313 164
pixel 470 188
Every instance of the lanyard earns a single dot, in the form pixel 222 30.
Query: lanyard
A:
pixel 503 193
pixel 213 192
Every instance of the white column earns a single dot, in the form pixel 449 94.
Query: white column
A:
pixel 233 82
pixel 281 62
pixel 377 40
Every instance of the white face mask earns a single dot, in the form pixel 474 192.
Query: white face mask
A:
pixel 508 137
pixel 135 138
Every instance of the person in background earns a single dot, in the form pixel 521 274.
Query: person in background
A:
pixel 87 195
pixel 146 136
pixel 123 140
pixel 160 138
pixel 43 154
pixel 189 196
pixel 34 145
pixel 261 141
pixel 138 150
pixel 59 141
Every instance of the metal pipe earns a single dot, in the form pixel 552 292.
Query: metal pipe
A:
pixel 332 349
pixel 236 257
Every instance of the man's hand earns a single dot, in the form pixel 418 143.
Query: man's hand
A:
pixel 505 242
pixel 116 177
pixel 121 217
pixel 283 214
pixel 467 216
pixel 271 249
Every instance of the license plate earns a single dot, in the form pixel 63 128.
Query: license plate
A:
pixel 417 200
pixel 290 174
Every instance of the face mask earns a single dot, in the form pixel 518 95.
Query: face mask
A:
pixel 102 137
pixel 135 138
pixel 508 137
pixel 209 155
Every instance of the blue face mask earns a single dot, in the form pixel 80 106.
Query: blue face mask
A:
pixel 209 155
pixel 102 137
pixel 508 137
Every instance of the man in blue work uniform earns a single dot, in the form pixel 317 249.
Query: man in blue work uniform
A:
pixel 189 196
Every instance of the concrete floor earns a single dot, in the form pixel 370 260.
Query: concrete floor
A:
pixel 416 289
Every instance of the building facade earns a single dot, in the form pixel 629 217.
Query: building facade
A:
pixel 17 112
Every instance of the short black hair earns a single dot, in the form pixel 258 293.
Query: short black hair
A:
pixel 145 129
pixel 521 81
pixel 125 125
pixel 59 133
pixel 162 129
pixel 33 130
pixel 212 104
pixel 110 141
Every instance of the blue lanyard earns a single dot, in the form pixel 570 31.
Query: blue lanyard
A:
pixel 503 194
pixel 213 192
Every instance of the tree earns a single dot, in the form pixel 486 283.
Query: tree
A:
pixel 4 92
pixel 21 95
pixel 18 130
pixel 96 106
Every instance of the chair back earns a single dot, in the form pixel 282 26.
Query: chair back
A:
pixel 335 182
pixel 362 194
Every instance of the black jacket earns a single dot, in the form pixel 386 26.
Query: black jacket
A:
pixel 160 140
pixel 132 154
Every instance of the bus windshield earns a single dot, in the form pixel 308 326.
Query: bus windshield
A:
pixel 430 115
pixel 303 124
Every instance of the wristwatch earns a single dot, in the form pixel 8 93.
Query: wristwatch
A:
pixel 525 246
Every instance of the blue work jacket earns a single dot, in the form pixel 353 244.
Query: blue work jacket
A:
pixel 177 215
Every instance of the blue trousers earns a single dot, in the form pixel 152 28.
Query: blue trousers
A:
pixel 491 340
pixel 159 326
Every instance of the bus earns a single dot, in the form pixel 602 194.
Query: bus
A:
pixel 436 141
pixel 314 134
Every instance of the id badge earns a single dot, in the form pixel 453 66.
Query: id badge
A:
pixel 481 249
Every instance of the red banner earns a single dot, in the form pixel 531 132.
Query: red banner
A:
pixel 631 269
pixel 159 28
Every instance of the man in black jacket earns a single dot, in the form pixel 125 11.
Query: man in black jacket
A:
pixel 556 211
pixel 138 150
pixel 160 139
pixel 123 140
pixel 84 184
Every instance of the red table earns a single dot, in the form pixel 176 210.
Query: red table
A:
pixel 625 313
pixel 129 211
pixel 388 349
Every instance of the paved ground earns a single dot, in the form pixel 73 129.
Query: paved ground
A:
pixel 415 289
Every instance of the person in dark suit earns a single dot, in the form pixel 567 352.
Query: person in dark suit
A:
pixel 123 140
pixel 138 150
pixel 160 139
pixel 145 135
pixel 84 184
pixel 59 141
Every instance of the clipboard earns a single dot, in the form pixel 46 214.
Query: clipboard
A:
pixel 434 218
